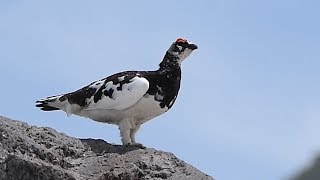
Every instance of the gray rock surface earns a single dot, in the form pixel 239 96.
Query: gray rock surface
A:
pixel 30 152
pixel 310 173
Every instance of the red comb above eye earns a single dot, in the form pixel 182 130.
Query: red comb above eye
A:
pixel 181 40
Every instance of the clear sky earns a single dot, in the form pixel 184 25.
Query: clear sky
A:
pixel 249 104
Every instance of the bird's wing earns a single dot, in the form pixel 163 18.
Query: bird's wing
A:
pixel 116 92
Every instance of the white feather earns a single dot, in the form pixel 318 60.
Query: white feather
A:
pixel 130 94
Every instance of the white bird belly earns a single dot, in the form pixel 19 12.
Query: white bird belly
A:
pixel 145 109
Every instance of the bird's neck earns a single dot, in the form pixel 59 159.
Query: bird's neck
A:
pixel 169 61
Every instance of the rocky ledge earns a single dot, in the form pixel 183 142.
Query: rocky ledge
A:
pixel 30 152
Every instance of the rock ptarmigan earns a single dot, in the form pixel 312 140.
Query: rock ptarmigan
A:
pixel 127 99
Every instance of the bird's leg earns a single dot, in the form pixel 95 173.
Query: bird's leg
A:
pixel 133 132
pixel 124 127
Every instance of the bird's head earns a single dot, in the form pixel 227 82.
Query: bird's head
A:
pixel 181 49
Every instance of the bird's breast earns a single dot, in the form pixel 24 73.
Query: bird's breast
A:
pixel 147 108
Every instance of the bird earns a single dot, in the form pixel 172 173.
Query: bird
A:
pixel 129 98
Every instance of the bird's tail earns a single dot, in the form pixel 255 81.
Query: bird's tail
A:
pixel 51 103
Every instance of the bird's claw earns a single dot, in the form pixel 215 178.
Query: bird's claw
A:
pixel 139 145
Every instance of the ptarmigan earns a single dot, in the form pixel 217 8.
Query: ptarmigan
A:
pixel 127 99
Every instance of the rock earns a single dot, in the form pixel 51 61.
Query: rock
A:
pixel 30 152
pixel 310 173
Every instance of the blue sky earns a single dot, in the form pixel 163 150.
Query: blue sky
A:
pixel 249 104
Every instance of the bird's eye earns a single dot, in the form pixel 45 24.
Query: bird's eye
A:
pixel 177 48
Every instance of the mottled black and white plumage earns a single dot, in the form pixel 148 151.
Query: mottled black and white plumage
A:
pixel 127 99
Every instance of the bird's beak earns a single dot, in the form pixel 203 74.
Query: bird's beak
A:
pixel 192 46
